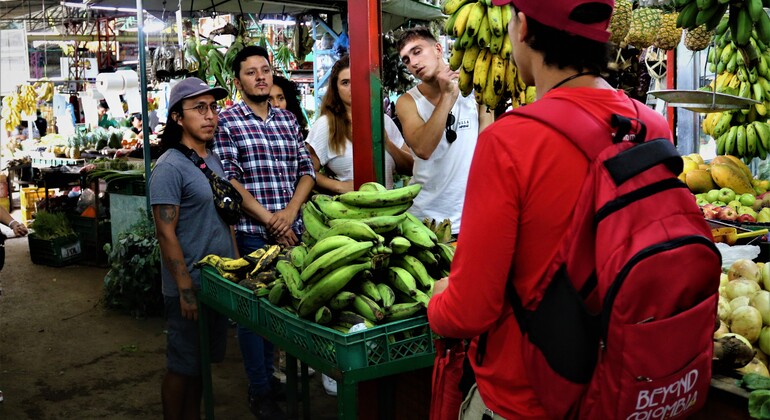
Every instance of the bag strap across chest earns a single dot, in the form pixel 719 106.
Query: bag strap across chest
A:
pixel 197 160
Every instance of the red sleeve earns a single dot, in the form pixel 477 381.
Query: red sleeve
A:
pixel 476 293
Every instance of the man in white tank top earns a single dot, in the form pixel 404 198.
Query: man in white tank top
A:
pixel 440 126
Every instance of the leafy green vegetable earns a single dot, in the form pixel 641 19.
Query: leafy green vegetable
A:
pixel 754 381
pixel 759 404
pixel 50 225
pixel 133 283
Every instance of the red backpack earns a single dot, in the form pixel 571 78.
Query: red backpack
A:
pixel 621 325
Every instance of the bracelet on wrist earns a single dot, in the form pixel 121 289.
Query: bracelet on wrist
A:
pixel 10 224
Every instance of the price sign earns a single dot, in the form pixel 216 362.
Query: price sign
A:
pixel 70 250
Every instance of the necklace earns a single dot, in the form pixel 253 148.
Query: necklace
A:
pixel 575 76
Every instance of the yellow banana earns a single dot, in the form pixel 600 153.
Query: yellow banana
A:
pixel 488 97
pixel 484 35
pixel 507 48
pixel 495 18
pixel 465 82
pixel 470 56
pixel 497 71
pixel 477 13
pixel 462 20
pixel 456 57
pixel 451 6
pixel 481 70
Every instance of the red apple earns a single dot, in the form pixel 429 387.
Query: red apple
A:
pixel 710 211
pixel 746 218
pixel 728 213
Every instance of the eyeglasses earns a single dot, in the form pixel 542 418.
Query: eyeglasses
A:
pixel 451 134
pixel 203 108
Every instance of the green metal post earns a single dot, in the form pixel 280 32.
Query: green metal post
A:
pixel 143 88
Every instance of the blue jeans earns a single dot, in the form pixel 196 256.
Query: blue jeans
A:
pixel 256 351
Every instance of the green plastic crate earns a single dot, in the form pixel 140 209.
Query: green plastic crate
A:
pixel 128 187
pixel 380 346
pixel 92 240
pixel 56 252
pixel 239 303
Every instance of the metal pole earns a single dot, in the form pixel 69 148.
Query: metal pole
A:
pixel 143 89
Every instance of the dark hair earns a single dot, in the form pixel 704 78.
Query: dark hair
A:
pixel 246 52
pixel 340 127
pixel 563 49
pixel 172 132
pixel 418 32
pixel 136 116
pixel 291 93
pixel 103 104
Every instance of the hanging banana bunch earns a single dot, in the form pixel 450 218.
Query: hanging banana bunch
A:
pixel 740 71
pixel 482 53
pixel 744 16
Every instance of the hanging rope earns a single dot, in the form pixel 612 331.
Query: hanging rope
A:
pixel 656 66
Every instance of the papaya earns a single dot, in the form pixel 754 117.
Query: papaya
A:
pixel 735 162
pixel 699 181
pixel 728 176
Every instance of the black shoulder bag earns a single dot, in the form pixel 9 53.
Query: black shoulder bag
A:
pixel 227 199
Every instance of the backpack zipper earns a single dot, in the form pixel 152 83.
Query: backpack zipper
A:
pixel 614 289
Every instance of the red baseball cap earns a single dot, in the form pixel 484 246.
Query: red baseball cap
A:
pixel 555 13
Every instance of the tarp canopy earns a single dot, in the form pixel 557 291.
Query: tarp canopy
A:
pixel 21 10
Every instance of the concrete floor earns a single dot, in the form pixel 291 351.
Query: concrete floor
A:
pixel 63 356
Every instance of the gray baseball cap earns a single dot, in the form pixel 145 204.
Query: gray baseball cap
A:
pixel 192 87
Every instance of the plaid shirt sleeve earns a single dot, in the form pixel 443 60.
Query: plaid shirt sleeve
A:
pixel 228 153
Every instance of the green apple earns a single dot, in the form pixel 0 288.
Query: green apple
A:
pixel 701 196
pixel 747 199
pixel 712 195
pixel 719 203
pixel 701 202
pixel 764 215
pixel 726 195
pixel 734 204
pixel 747 210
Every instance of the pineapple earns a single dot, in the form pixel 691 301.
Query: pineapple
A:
pixel 668 35
pixel 644 25
pixel 698 39
pixel 621 20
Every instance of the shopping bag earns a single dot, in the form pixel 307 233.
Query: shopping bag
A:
pixel 446 396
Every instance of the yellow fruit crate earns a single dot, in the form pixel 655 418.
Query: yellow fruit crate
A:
pixel 5 203
pixel 31 195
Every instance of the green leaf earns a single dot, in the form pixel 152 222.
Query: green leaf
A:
pixel 757 400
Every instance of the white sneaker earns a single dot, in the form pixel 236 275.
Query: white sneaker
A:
pixel 330 385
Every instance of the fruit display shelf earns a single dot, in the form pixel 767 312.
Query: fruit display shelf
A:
pixel 372 353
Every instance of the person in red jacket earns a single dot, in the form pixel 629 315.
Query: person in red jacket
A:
pixel 523 185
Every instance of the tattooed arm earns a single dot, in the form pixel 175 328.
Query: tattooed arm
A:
pixel 166 218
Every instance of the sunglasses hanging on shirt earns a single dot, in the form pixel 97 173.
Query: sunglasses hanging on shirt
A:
pixel 451 134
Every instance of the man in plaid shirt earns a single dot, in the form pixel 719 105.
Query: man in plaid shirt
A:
pixel 264 156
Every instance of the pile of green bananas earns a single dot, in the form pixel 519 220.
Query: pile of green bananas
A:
pixel 364 259
pixel 741 71
pixel 744 16
pixel 253 271
pixel 482 52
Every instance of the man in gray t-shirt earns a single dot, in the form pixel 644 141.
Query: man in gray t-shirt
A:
pixel 188 228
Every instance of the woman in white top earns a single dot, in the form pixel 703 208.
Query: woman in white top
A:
pixel 329 138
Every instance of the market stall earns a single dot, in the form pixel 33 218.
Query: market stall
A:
pixel 384 279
